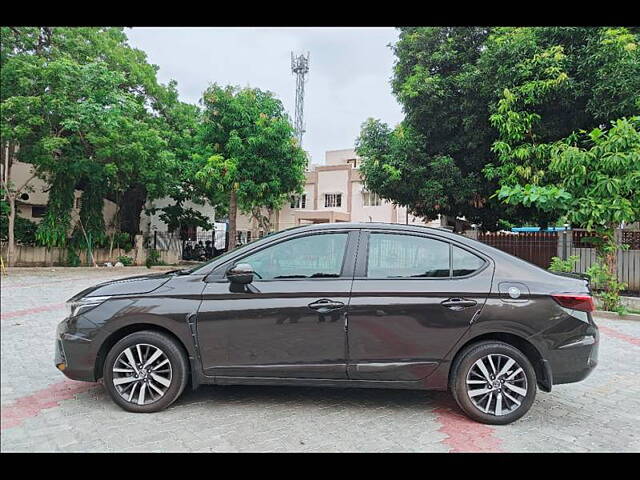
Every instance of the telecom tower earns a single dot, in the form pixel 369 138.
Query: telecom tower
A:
pixel 299 67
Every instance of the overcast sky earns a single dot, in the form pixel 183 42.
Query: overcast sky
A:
pixel 350 70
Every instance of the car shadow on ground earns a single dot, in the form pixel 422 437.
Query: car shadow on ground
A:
pixel 318 397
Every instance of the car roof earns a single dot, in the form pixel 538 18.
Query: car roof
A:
pixel 367 225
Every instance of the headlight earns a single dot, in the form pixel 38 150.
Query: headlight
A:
pixel 84 305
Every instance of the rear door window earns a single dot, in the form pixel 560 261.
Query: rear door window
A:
pixel 406 256
pixel 464 262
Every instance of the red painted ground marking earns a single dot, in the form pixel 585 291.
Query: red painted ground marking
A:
pixel 29 311
pixel 619 335
pixel 465 435
pixel 31 405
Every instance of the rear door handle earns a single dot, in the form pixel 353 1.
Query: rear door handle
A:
pixel 325 305
pixel 458 303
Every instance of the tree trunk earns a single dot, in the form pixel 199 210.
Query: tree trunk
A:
pixel 11 247
pixel 7 153
pixel 131 206
pixel 255 229
pixel 612 264
pixel 259 222
pixel 608 255
pixel 233 212
pixel 267 221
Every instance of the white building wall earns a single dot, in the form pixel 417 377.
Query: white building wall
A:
pixel 385 212
pixel 339 157
pixel 329 182
pixel 36 194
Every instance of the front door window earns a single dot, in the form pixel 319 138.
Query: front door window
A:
pixel 314 256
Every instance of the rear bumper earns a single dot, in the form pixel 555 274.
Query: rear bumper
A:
pixel 574 360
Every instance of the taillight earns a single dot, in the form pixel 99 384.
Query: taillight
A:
pixel 580 302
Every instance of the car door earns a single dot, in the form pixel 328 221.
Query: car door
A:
pixel 413 297
pixel 290 321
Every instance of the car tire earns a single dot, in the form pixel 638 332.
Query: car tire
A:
pixel 150 389
pixel 484 395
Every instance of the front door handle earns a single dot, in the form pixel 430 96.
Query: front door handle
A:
pixel 325 305
pixel 458 303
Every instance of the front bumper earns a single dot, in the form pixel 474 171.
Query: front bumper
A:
pixel 75 354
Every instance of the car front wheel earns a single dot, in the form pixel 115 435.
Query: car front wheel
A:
pixel 493 382
pixel 145 372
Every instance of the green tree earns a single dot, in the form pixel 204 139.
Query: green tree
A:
pixel 593 180
pixel 590 177
pixel 87 111
pixel 252 157
pixel 426 188
pixel 184 134
pixel 450 81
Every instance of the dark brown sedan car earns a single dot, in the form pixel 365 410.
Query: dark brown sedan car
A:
pixel 339 305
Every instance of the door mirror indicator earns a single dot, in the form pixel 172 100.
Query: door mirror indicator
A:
pixel 242 273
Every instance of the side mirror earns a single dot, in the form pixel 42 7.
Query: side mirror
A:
pixel 242 273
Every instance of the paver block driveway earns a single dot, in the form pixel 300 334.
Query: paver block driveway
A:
pixel 43 411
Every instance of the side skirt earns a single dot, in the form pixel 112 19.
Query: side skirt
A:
pixel 317 382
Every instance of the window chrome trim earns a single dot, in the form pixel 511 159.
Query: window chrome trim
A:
pixel 218 274
pixel 487 260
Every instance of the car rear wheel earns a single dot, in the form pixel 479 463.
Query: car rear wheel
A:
pixel 493 382
pixel 145 372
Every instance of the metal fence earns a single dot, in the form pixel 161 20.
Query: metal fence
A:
pixel 578 243
pixel 540 247
pixel 198 246
pixel 535 247
pixel 202 246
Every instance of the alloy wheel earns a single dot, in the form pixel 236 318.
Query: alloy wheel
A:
pixel 496 384
pixel 142 374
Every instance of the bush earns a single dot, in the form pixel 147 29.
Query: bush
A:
pixel 559 265
pixel 125 260
pixel 73 260
pixel 602 279
pixel 121 240
pixel 153 258
pixel 24 230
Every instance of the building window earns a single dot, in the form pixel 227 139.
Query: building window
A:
pixel 332 200
pixel 353 162
pixel 370 199
pixel 38 212
pixel 299 201
pixel 78 202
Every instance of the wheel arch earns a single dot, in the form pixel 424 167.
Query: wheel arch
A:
pixel 540 365
pixel 117 335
